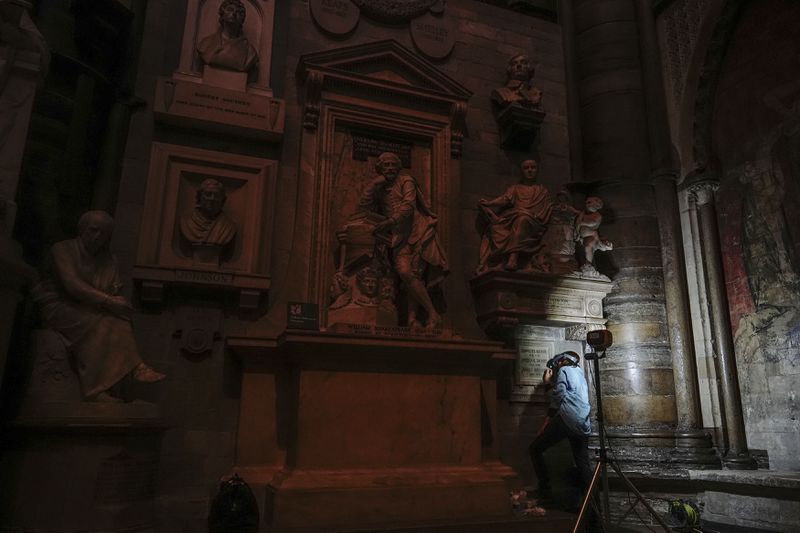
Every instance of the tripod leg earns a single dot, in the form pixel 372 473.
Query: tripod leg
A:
pixel 640 497
pixel 588 498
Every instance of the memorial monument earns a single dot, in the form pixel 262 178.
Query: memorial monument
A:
pixel 404 241
pixel 207 228
pixel 79 297
pixel 518 105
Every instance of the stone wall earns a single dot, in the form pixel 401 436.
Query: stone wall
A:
pixel 200 397
pixel 756 138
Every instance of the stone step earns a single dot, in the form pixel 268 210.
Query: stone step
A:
pixel 553 522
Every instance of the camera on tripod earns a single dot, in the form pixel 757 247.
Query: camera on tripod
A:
pixel 599 339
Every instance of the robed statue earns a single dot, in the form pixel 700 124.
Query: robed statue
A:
pixel 513 225
pixel 79 297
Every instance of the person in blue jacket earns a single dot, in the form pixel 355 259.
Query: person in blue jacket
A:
pixel 568 418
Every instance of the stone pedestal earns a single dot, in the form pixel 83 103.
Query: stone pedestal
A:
pixel 519 126
pixel 348 430
pixel 81 467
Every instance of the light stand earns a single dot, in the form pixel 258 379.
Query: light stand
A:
pixel 601 469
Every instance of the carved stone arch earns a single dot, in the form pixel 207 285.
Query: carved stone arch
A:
pixel 707 80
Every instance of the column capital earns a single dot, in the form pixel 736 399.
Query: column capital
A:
pixel 701 187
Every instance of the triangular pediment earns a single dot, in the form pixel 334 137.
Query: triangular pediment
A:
pixel 386 63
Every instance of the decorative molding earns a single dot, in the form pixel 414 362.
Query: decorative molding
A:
pixel 458 127
pixel 682 26
pixel 312 100
pixel 392 11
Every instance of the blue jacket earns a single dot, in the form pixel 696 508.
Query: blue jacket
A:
pixel 570 396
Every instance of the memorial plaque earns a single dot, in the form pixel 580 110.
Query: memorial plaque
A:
pixel 192 104
pixel 302 316
pixel 434 35
pixel 338 17
pixel 532 359
pixel 367 145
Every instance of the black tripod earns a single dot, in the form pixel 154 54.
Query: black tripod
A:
pixel 601 470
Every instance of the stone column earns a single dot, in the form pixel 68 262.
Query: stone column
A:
pixel 566 17
pixel 663 174
pixel 23 60
pixel 737 456
pixel 637 376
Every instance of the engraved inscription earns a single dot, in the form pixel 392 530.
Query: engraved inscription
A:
pixel 364 146
pixel 204 277
pixel 531 360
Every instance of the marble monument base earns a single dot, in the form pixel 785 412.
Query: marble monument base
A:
pixel 81 467
pixel 377 430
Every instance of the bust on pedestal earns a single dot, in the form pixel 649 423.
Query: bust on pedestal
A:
pixel 207 228
pixel 518 105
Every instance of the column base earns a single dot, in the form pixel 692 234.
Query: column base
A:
pixel 663 449
pixel 739 461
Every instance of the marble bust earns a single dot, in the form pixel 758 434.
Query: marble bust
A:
pixel 207 225
pixel 518 89
pixel 228 48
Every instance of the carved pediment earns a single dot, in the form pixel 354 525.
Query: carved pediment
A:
pixel 385 63
pixel 388 71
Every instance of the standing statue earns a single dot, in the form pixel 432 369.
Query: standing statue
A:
pixel 514 223
pixel 409 228
pixel 207 226
pixel 79 299
pixel 518 89
pixel 228 48
pixel 586 226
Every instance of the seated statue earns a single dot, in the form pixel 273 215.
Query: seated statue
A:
pixel 207 224
pixel 514 223
pixel 518 89
pixel 79 297
pixel 586 226
pixel 228 48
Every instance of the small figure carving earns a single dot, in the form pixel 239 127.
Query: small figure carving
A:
pixel 207 225
pixel 228 48
pixel 340 291
pixel 512 234
pixel 518 89
pixel 409 228
pixel 561 235
pixel 79 296
pixel 367 283
pixel 586 226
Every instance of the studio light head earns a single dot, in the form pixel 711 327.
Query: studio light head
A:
pixel 599 339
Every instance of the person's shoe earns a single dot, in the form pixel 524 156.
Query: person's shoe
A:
pixel 105 397
pixel 145 374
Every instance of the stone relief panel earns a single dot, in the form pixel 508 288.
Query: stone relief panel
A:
pixel 209 220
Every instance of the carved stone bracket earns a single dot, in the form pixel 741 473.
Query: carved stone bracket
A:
pixel 458 127
pixel 312 102
pixel 519 126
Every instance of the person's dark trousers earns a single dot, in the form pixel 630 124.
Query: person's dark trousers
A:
pixel 555 432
